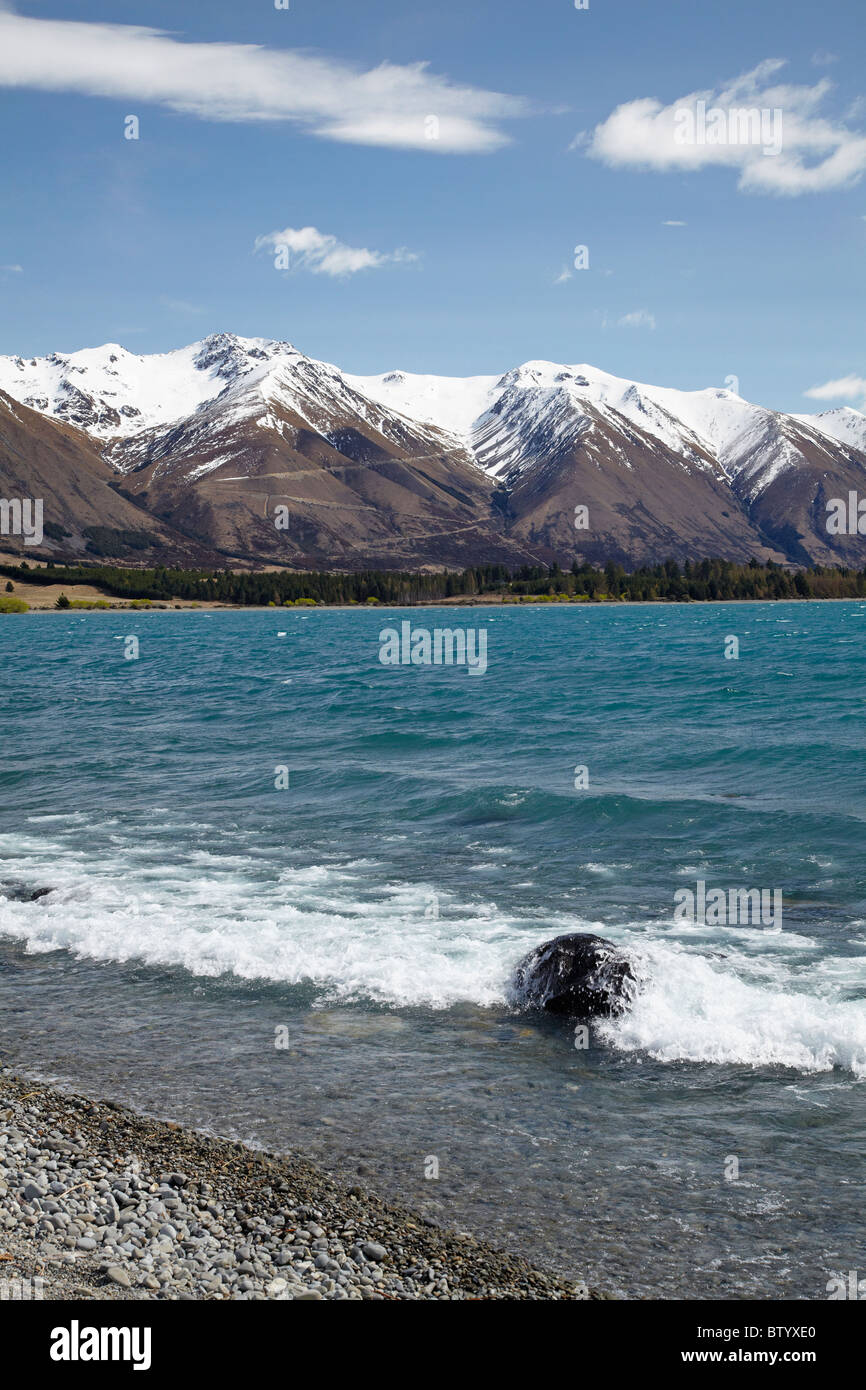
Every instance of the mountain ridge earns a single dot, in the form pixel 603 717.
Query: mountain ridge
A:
pixel 220 439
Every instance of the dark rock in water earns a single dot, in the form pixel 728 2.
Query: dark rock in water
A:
pixel 22 893
pixel 581 975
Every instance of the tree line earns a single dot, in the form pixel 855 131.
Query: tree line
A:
pixel 697 581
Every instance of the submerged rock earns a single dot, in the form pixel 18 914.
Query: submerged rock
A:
pixel 582 976
pixel 17 892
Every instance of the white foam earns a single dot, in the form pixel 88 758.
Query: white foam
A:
pixel 750 998
pixel 694 1009
pixel 318 924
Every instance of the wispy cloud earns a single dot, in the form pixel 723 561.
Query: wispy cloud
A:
pixel 12 269
pixel 817 153
pixel 320 253
pixel 562 277
pixel 640 318
pixel 179 306
pixel 402 106
pixel 674 224
pixel 844 388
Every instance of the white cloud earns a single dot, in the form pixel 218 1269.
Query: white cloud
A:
pixel 12 269
pixel 822 59
pixel 816 154
pixel 561 279
pixel 640 318
pixel 674 224
pixel 401 106
pixel 844 388
pixel 323 254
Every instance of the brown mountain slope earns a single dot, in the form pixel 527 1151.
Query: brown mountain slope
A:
pixel 644 502
pixel 43 459
pixel 247 452
pixel 280 473
pixel 791 507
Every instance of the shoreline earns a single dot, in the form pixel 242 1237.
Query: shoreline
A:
pixel 101 1202
pixel 479 601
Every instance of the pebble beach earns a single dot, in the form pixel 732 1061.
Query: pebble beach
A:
pixel 97 1202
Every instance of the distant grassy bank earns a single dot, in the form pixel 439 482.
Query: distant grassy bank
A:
pixel 701 581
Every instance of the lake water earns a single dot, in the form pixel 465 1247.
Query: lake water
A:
pixel 708 1144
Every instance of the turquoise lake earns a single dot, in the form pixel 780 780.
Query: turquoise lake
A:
pixel 257 832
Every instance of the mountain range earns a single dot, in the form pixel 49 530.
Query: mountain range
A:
pixel 243 451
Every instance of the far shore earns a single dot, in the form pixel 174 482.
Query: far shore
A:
pixel 114 605
pixel 117 588
pixel 42 598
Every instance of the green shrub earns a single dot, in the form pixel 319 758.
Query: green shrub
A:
pixel 13 605
pixel 62 602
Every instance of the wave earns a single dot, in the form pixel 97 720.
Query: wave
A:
pixel 748 999
pixel 404 945
pixel 693 1009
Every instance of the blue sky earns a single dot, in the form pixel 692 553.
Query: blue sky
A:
pixel 452 252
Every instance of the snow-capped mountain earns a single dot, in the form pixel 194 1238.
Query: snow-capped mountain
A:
pixel 499 417
pixel 546 422
pixel 844 424
pixel 407 469
pixel 290 462
pixel 110 392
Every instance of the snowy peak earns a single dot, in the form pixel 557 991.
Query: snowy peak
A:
pixel 452 404
pixel 545 404
pixel 226 357
pixel 405 469
pixel 312 394
pixel 844 423
pixel 230 400
pixel 265 399
pixel 505 421
pixel 110 392
pixel 551 405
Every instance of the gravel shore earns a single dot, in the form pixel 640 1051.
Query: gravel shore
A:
pixel 98 1202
